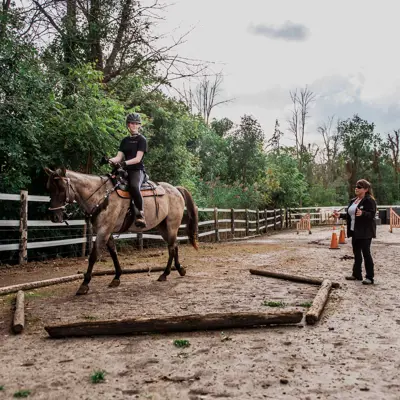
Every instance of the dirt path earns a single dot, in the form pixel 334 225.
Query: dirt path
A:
pixel 353 353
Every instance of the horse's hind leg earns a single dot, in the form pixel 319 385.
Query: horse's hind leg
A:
pixel 170 238
pixel 113 252
pixel 179 268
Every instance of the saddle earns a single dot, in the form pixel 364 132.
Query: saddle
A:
pixel 148 189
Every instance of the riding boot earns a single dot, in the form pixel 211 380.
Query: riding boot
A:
pixel 140 221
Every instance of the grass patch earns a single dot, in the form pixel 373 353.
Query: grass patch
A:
pixel 274 303
pixel 22 393
pixel 37 295
pixel 98 376
pixel 306 304
pixel 181 343
pixel 1 387
pixel 89 317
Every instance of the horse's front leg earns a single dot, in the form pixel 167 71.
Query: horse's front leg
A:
pixel 101 240
pixel 113 253
pixel 167 271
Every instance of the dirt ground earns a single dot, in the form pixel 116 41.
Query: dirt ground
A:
pixel 352 353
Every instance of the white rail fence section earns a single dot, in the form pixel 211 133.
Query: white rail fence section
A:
pixel 222 224
pixel 219 225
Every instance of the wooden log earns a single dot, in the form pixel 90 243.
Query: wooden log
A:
pixel 294 278
pixel 39 284
pixel 70 278
pixel 130 271
pixel 314 313
pixel 19 314
pixel 184 323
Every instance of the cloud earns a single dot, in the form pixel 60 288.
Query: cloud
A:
pixel 273 98
pixel 289 31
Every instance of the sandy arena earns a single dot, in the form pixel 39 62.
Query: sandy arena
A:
pixel 352 353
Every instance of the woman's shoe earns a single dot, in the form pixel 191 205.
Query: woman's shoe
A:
pixel 367 282
pixel 352 278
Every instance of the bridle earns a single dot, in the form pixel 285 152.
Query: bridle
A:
pixel 67 196
pixel 70 200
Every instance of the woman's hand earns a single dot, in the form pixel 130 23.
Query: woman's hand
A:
pixel 336 214
pixel 358 212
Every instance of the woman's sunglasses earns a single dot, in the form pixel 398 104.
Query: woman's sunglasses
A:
pixel 359 187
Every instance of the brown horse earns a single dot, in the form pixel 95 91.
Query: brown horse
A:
pixel 108 211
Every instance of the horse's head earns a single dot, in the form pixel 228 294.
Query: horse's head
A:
pixel 59 187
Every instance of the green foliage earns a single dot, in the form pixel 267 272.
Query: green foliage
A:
pixel 181 343
pixel 274 304
pixel 98 376
pixel 283 182
pixel 22 394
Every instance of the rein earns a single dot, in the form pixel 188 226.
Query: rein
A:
pixel 95 209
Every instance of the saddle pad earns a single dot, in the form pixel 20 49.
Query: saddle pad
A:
pixel 159 191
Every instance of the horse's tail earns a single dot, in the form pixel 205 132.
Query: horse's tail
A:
pixel 192 217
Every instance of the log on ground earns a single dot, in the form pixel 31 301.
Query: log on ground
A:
pixel 19 313
pixel 185 323
pixel 314 313
pixel 294 278
pixel 39 284
pixel 130 271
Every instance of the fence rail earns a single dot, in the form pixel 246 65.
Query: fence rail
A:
pixel 242 222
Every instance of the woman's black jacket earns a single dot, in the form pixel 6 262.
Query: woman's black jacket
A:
pixel 365 225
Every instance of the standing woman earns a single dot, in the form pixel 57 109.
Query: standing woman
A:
pixel 361 227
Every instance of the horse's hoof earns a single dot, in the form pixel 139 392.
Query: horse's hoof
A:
pixel 83 289
pixel 162 278
pixel 182 271
pixel 114 283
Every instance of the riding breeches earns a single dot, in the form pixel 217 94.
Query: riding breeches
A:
pixel 135 180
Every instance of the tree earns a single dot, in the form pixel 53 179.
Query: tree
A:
pixel 393 142
pixel 205 97
pixel 297 123
pixel 331 140
pixel 274 142
pixel 359 139
pixel 114 35
pixel 247 159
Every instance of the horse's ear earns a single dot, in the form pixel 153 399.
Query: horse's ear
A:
pixel 60 172
pixel 48 171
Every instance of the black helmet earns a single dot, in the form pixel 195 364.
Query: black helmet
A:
pixel 132 118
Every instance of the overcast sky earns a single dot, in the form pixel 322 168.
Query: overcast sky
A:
pixel 346 52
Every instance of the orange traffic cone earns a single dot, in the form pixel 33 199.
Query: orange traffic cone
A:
pixel 342 236
pixel 334 241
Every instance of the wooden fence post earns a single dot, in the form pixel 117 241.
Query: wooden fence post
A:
pixel 274 219
pixel 266 221
pixel 247 222
pixel 281 215
pixel 286 218
pixel 139 241
pixel 233 222
pixel 290 218
pixel 216 224
pixel 23 228
pixel 257 222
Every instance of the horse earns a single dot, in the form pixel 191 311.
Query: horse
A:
pixel 97 197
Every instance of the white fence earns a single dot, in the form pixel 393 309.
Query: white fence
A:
pixel 223 224
pixel 215 224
